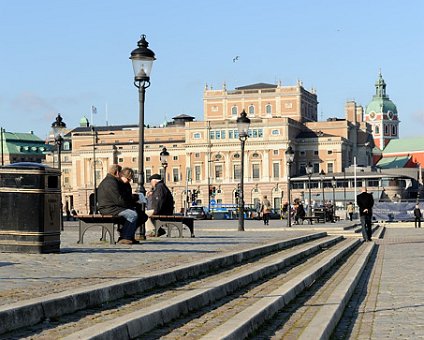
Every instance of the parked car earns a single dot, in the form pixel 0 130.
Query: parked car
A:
pixel 199 213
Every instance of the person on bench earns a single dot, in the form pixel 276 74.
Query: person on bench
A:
pixel 161 203
pixel 111 202
pixel 132 200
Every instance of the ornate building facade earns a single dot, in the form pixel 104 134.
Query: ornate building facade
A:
pixel 205 155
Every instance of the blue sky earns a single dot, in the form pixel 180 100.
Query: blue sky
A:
pixel 65 56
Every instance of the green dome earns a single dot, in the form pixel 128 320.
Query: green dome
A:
pixel 380 102
pixel 84 122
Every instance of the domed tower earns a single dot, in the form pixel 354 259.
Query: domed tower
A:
pixel 84 122
pixel 381 113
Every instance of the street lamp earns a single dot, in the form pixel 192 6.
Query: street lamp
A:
pixel 142 60
pixel 164 160
pixel 243 123
pixel 309 171
pixel 94 169
pixel 322 176
pixel 59 127
pixel 289 160
pixel 334 184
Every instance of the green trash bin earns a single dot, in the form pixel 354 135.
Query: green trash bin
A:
pixel 29 208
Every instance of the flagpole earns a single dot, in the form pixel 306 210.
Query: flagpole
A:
pixel 107 123
pixel 91 110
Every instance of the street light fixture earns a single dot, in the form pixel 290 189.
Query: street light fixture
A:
pixel 59 127
pixel 322 176
pixel 309 171
pixel 243 123
pixel 289 160
pixel 142 60
pixel 334 184
pixel 164 160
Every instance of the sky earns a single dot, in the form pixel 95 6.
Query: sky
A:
pixel 67 56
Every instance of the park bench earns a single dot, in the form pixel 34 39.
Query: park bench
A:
pixel 107 222
pixel 169 222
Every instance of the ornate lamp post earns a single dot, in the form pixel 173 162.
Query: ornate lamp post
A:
pixel 59 127
pixel 164 160
pixel 322 176
pixel 309 171
pixel 142 60
pixel 334 184
pixel 289 160
pixel 243 123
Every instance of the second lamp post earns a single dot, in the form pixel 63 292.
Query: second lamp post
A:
pixel 243 123
pixel 164 160
pixel 289 160
pixel 309 171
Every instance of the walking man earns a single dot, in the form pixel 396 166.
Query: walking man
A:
pixel 418 215
pixel 365 203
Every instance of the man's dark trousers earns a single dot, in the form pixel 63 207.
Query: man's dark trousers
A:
pixel 418 222
pixel 366 227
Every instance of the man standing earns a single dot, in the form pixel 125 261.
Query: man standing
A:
pixel 265 209
pixel 111 201
pixel 418 215
pixel 365 203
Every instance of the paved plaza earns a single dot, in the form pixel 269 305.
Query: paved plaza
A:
pixel 392 307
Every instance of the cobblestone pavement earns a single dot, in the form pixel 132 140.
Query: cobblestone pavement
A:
pixel 389 301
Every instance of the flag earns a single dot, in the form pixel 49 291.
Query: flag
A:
pixel 93 109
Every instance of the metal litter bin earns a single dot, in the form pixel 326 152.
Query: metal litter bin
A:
pixel 29 208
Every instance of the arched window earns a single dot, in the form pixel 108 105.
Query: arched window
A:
pixel 268 109
pixel 234 111
pixel 251 110
pixel 377 129
pixel 394 130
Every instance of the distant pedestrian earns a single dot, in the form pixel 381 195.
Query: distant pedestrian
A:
pixel 418 214
pixel 365 203
pixel 265 209
pixel 350 210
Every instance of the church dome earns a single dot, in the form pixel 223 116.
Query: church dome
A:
pixel 380 102
pixel 84 122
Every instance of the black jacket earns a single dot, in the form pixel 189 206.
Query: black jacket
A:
pixel 417 212
pixel 162 200
pixel 109 196
pixel 365 201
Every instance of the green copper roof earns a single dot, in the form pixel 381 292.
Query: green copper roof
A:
pixel 393 162
pixel 405 145
pixel 380 101
pixel 84 122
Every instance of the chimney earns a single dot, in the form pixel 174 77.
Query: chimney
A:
pixel 350 109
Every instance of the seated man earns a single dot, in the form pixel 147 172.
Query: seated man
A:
pixel 160 201
pixel 111 201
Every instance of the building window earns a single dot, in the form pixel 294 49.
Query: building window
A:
pixel 67 146
pixel 316 153
pixel 175 158
pixel 197 173
pixel 218 171
pixel 148 173
pixel 255 171
pixel 302 153
pixel 288 105
pixel 316 168
pixel 275 132
pixel 268 109
pixel 329 152
pixel 251 110
pixel 214 108
pixel 147 159
pixel 302 169
pixel 377 130
pixel 197 155
pixel 237 171
pixel 196 135
pixel 276 152
pixel 394 130
pixel 330 168
pixel 276 170
pixel 120 160
pixel 175 175
pixel 386 129
pixel 234 111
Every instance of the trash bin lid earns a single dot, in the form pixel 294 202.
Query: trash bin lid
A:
pixel 27 165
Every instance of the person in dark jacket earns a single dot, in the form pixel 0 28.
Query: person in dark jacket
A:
pixel 127 175
pixel 111 201
pixel 418 215
pixel 365 202
pixel 161 200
